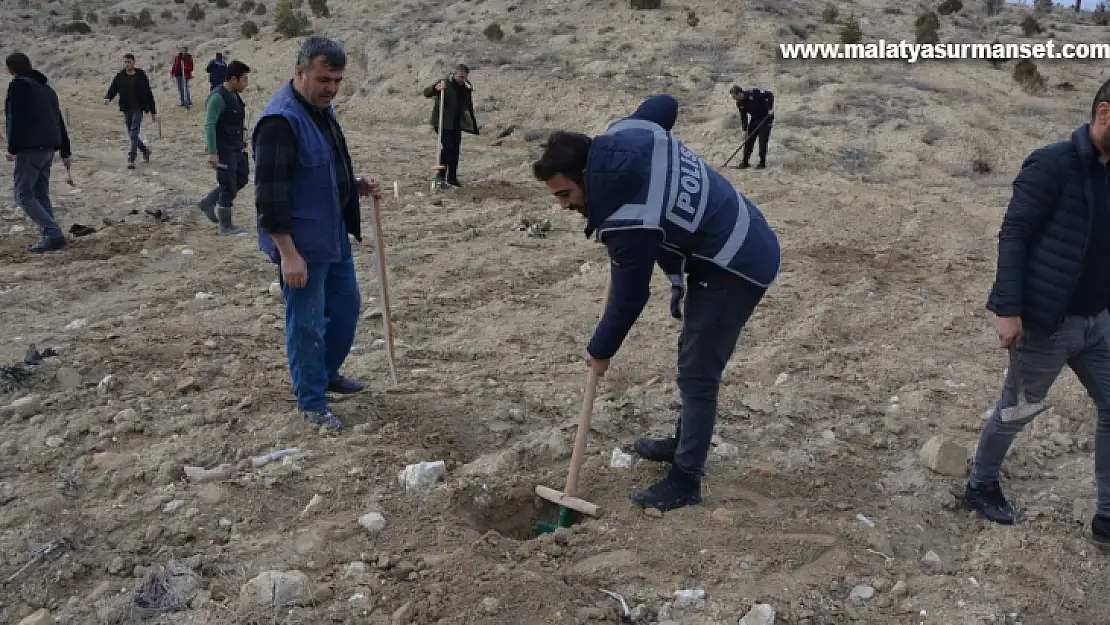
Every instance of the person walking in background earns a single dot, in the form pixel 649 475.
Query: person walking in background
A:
pixel 182 73
pixel 225 140
pixel 458 117
pixel 1049 297
pixel 757 113
pixel 217 71
pixel 135 98
pixel 306 195
pixel 35 130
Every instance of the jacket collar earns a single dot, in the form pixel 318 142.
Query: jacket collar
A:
pixel 1081 139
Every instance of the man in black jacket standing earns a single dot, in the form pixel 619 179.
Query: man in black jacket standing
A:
pixel 135 98
pixel 35 130
pixel 757 113
pixel 458 117
pixel 1050 294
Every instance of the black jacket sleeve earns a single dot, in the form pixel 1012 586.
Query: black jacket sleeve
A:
pixel 275 153
pixel 740 106
pixel 64 149
pixel 770 101
pixel 113 89
pixel 632 256
pixel 20 118
pixel 431 92
pixel 147 94
pixel 1036 191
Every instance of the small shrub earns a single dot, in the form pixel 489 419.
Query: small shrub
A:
pixel 196 13
pixel 77 15
pixel 222 4
pixel 319 8
pixel 247 6
pixel 179 1
pixel 145 19
pixel 830 13
pixel 692 19
pixel 1028 77
pixel 1065 86
pixel 993 7
pixel 72 28
pixel 1042 6
pixel 948 7
pixel 166 14
pixel 116 20
pixel 980 166
pixel 249 29
pixel 92 17
pixel 260 9
pixel 851 32
pixel 646 4
pixel 925 28
pixel 996 62
pixel 1030 26
pixel 287 22
pixel 493 32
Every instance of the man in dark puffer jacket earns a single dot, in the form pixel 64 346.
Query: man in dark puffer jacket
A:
pixel 1050 295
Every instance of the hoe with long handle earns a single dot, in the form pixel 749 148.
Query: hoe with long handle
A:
pixel 387 316
pixel 567 499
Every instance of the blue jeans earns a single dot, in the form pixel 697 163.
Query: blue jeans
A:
pixel 31 186
pixel 134 120
pixel 1080 343
pixel 320 322
pixel 183 90
pixel 715 312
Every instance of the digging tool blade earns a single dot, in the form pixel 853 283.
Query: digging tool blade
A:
pixel 1024 411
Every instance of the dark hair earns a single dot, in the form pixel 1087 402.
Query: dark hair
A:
pixel 236 69
pixel 1103 95
pixel 129 56
pixel 18 62
pixel 463 68
pixel 735 89
pixel 219 55
pixel 317 46
pixel 563 153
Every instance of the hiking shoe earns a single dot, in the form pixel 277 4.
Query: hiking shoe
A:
pixel 743 166
pixel 345 386
pixel 656 450
pixel 146 155
pixel 1100 531
pixel 761 166
pixel 989 501
pixel 131 164
pixel 323 417
pixel 209 209
pixel 47 245
pixel 678 490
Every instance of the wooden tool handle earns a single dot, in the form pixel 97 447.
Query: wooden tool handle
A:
pixel 387 316
pixel 585 415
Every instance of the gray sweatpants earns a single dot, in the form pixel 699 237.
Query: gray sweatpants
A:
pixel 31 186
pixel 1081 343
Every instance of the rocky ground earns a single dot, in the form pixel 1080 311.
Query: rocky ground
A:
pixel 131 476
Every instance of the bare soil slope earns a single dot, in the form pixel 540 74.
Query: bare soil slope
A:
pixel 170 349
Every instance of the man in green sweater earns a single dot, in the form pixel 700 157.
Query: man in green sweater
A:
pixel 225 138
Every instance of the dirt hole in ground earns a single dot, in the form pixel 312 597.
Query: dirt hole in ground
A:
pixel 512 512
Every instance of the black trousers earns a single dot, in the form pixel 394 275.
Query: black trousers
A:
pixel 763 133
pixel 452 143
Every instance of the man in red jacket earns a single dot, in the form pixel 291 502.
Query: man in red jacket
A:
pixel 182 72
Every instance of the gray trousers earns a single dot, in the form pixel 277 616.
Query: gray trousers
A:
pixel 715 313
pixel 1081 343
pixel 31 186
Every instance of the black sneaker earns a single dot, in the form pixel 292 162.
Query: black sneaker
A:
pixel 146 155
pixel 656 450
pixel 345 386
pixel 743 166
pixel 761 165
pixel 323 417
pixel 131 164
pixel 1100 531
pixel 678 490
pixel 989 501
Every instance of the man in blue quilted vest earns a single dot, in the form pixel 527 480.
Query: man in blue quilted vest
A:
pixel 306 195
pixel 651 200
